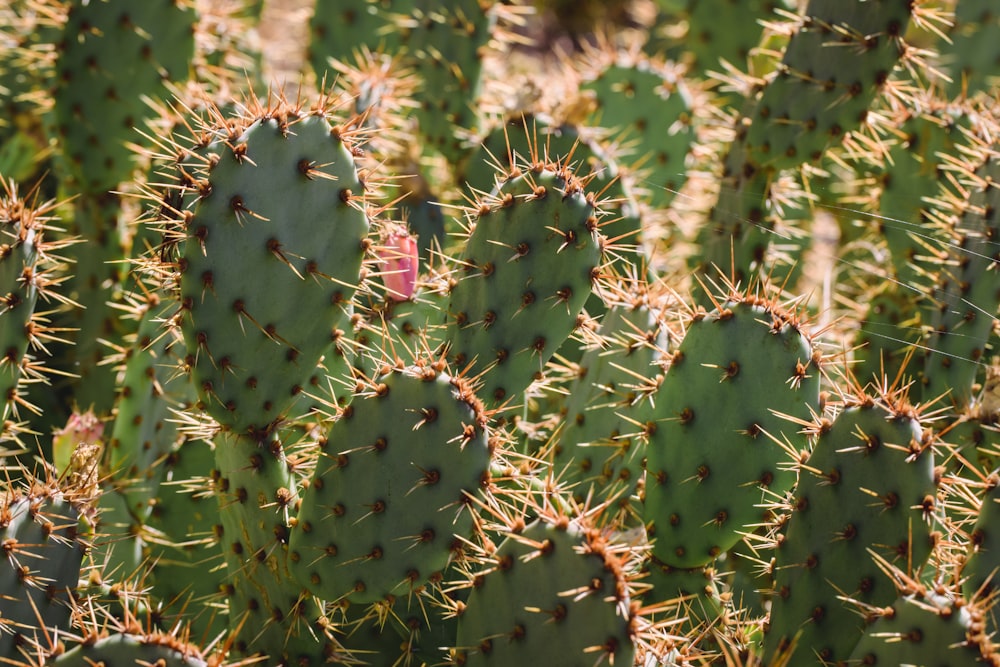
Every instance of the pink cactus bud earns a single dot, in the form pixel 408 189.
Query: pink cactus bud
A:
pixel 399 263
pixel 83 430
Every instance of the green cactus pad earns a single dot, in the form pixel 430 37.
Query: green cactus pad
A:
pixel 449 46
pixel 159 649
pixel 339 29
pixel 725 31
pixel 145 429
pixel 272 258
pixel 927 629
pixel 28 272
pixel 186 572
pixel 724 438
pixel 982 567
pixel 270 615
pixel 523 141
pixel 645 107
pixel 40 567
pixel 966 296
pixel 867 489
pixel 554 593
pixel 601 445
pixel 972 55
pixel 114 57
pixel 387 504
pixel 833 68
pixel 529 266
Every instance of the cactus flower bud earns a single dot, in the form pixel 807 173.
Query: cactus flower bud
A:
pixel 77 449
pixel 400 260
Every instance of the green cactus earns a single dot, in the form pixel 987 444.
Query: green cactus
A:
pixel 609 401
pixel 387 505
pixel 41 529
pixel 965 295
pixel 824 569
pixel 555 591
pixel 726 429
pixel 838 60
pixel 628 101
pixel 114 58
pixel 342 416
pixel 927 628
pixel 533 255
pixel 30 274
pixel 125 648
pixel 339 29
pixel 973 66
pixel 250 354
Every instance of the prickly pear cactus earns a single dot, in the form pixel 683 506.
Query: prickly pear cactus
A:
pixel 532 258
pixel 726 428
pixel 114 57
pixel 871 479
pixel 387 507
pixel 599 448
pixel 29 273
pixel 280 212
pixel 43 551
pixel 131 648
pixel 925 627
pixel 555 591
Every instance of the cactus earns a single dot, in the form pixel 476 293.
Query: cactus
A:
pixel 507 315
pixel 708 477
pixel 43 550
pixel 30 273
pixel 555 590
pixel 626 99
pixel 478 349
pixel 387 505
pixel 113 59
pixel 251 355
pixel 960 330
pixel 927 627
pixel 865 512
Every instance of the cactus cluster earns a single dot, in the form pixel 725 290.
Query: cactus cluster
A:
pixel 655 332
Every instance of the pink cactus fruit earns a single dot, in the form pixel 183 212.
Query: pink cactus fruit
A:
pixel 400 261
